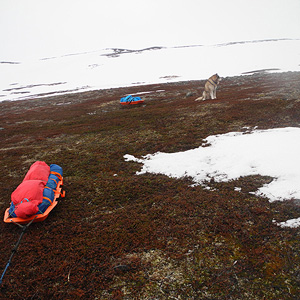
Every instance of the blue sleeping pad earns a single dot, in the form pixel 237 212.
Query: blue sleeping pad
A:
pixel 129 99
pixel 57 169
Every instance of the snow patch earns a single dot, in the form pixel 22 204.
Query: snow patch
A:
pixel 273 152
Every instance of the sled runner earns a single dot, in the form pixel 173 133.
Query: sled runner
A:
pixel 37 195
pixel 131 100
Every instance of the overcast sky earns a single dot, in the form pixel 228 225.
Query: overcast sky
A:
pixel 33 29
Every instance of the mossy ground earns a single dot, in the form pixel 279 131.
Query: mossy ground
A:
pixel 118 235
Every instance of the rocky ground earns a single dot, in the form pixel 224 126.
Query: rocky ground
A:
pixel 117 235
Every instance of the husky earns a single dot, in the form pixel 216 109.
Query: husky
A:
pixel 210 88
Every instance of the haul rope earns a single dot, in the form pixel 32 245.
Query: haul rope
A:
pixel 14 250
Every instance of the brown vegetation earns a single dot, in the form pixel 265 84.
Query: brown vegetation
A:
pixel 117 235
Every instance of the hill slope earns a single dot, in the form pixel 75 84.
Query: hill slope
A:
pixel 121 236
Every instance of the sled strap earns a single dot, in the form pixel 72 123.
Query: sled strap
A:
pixel 57 174
pixel 46 198
pixel 47 187
pixel 54 180
pixel 63 194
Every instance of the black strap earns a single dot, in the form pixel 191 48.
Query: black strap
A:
pixel 14 250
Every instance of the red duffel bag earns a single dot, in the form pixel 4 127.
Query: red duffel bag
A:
pixel 28 190
pixel 38 171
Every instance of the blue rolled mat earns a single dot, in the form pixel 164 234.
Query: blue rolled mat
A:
pixel 48 193
pixel 52 181
pixel 56 168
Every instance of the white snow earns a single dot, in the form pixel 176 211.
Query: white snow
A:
pixel 273 152
pixel 293 223
pixel 102 69
pixel 56 47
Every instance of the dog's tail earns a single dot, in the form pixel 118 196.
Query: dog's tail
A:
pixel 201 98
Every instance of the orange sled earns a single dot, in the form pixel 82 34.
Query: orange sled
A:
pixel 38 217
pixel 133 102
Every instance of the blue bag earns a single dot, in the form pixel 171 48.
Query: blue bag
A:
pixel 57 169
pixel 52 181
pixel 11 211
pixel 47 194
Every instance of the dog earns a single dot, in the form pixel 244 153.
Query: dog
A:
pixel 210 88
